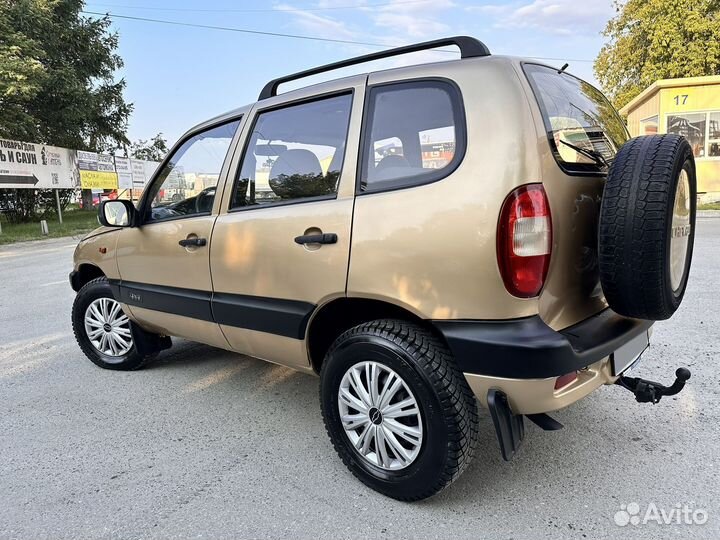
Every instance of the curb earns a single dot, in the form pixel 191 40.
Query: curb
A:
pixel 708 213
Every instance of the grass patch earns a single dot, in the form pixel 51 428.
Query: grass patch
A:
pixel 75 222
pixel 709 206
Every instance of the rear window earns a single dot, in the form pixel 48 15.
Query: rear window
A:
pixel 584 129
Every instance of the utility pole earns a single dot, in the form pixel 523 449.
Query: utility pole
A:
pixel 57 201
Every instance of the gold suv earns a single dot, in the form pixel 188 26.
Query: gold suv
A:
pixel 424 238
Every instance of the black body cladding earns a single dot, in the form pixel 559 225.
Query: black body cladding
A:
pixel 276 316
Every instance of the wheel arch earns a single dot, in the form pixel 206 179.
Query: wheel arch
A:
pixel 335 317
pixel 85 273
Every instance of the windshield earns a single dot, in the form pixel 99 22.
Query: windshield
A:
pixel 584 129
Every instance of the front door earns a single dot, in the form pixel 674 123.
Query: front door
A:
pixel 281 243
pixel 164 263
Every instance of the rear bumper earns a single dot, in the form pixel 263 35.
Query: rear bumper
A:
pixel 524 357
pixel 529 349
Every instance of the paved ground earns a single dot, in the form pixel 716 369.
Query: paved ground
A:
pixel 204 443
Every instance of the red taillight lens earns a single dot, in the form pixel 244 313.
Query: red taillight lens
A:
pixel 566 379
pixel 525 240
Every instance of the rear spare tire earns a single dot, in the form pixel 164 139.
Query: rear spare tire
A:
pixel 647 226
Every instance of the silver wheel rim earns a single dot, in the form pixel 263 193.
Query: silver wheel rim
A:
pixel 107 327
pixel 380 415
pixel 680 231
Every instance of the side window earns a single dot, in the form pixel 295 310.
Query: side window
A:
pixel 649 126
pixel 187 183
pixel 415 134
pixel 294 153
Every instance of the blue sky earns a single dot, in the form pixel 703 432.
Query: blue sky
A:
pixel 178 76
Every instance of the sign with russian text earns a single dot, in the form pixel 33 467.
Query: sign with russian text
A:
pixel 123 168
pixel 97 171
pixel 40 166
pixel 36 166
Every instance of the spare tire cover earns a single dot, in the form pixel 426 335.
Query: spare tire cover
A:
pixel 647 226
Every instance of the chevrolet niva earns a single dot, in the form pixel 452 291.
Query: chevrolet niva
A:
pixel 425 239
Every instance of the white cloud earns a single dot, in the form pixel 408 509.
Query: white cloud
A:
pixel 560 16
pixel 490 9
pixel 394 23
pixel 339 3
pixel 412 19
pixel 409 25
pixel 320 25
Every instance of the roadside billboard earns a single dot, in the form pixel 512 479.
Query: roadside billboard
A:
pixel 40 166
pixel 97 171
pixel 134 173
pixel 123 168
pixel 37 166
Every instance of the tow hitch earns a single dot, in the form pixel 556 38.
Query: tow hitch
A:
pixel 651 392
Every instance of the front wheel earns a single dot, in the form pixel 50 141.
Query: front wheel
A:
pixel 102 330
pixel 398 411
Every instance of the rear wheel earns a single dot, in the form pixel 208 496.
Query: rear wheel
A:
pixel 103 331
pixel 647 226
pixel 398 411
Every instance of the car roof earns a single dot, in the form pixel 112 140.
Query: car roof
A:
pixel 470 48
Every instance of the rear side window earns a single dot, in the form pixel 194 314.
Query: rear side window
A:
pixel 414 134
pixel 294 154
pixel 584 129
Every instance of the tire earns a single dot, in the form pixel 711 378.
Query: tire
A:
pixel 647 226
pixel 447 410
pixel 99 290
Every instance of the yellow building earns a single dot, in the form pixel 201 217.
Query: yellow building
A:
pixel 689 107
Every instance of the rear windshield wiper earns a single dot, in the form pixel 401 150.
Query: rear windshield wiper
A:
pixel 596 156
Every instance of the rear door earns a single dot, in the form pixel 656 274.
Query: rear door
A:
pixel 164 263
pixel 580 133
pixel 281 244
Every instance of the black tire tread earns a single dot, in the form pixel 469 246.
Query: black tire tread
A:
pixel 633 227
pixel 134 361
pixel 459 406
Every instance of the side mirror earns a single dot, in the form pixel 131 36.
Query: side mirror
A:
pixel 117 213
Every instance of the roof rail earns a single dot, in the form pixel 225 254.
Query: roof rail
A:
pixel 469 48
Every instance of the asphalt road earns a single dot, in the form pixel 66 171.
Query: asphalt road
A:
pixel 208 444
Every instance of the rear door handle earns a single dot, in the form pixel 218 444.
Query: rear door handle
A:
pixel 193 242
pixel 325 238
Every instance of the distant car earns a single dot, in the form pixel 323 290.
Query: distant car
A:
pixel 96 200
pixel 423 238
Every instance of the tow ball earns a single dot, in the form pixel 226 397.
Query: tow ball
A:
pixel 651 392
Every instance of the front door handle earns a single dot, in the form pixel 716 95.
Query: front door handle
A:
pixel 194 241
pixel 325 238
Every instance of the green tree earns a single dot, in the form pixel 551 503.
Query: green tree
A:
pixel 154 149
pixel 57 83
pixel 658 39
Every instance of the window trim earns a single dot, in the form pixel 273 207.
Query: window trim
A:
pixel 433 175
pixel 571 169
pixel 143 206
pixel 284 105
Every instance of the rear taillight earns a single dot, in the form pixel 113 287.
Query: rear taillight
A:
pixel 566 379
pixel 524 240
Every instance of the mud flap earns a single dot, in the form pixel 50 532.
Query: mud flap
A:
pixel 509 427
pixel 147 343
